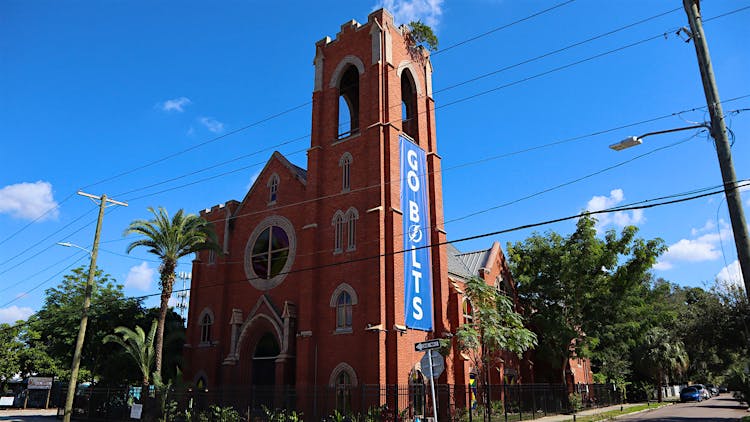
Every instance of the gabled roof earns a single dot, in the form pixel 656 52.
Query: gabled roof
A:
pixel 467 264
pixel 298 172
pixel 455 264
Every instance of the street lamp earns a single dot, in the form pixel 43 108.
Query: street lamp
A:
pixel 736 213
pixel 73 245
pixel 632 141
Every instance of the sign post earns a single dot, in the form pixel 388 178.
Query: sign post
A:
pixel 432 364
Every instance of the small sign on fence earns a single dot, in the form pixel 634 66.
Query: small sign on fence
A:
pixel 135 411
pixel 39 383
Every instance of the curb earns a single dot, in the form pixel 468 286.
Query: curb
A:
pixel 641 411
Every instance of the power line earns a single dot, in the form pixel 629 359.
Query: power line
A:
pixel 294 108
pixel 48 237
pixel 499 28
pixel 375 186
pixel 628 207
pixel 559 50
pixel 44 214
pixel 42 283
pixel 570 182
pixel 445 105
pixel 438 91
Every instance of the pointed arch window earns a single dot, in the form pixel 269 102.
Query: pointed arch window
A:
pixel 351 222
pixel 345 163
pixel 348 123
pixel 338 232
pixel 205 322
pixel 344 312
pixel 468 311
pixel 343 300
pixel 409 121
pixel 273 189
pixel 343 392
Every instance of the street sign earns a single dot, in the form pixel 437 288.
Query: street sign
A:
pixel 39 383
pixel 427 345
pixel 437 367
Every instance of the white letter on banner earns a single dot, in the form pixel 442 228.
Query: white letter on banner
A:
pixel 412 180
pixel 417 303
pixel 417 276
pixel 414 262
pixel 411 158
pixel 413 212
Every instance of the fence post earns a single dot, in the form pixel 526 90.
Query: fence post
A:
pixel 395 402
pixel 505 402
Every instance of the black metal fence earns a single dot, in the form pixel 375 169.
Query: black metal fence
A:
pixel 355 403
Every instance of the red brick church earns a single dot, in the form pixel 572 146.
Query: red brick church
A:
pixel 313 284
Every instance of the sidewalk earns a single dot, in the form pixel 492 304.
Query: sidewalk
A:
pixel 588 412
pixel 26 413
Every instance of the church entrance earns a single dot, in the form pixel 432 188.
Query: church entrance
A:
pixel 264 361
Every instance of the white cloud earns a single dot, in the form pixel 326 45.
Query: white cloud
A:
pixel 731 274
pixel 140 277
pixel 662 266
pixel 692 250
pixel 709 226
pixel 29 201
pixel 618 218
pixel 405 11
pixel 13 313
pixel 175 104
pixel 212 124
pixel 705 247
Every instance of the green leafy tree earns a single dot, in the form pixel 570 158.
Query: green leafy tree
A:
pixel 576 289
pixel 170 239
pixel 52 331
pixel 664 356
pixel 422 34
pixel 35 360
pixel 10 348
pixel 495 327
pixel 138 345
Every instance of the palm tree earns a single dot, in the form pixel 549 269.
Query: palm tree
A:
pixel 664 355
pixel 170 240
pixel 138 345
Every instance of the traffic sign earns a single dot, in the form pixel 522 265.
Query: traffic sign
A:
pixel 437 367
pixel 427 345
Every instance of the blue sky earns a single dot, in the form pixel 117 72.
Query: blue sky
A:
pixel 90 90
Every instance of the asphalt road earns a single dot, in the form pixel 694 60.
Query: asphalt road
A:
pixel 718 409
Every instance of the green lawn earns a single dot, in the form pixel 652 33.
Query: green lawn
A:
pixel 614 413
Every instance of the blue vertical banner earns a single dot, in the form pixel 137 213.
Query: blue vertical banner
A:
pixel 417 268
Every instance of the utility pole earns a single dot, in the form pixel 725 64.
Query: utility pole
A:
pixel 86 303
pixel 719 133
pixel 183 295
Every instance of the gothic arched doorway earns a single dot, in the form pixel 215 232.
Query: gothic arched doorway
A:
pixel 264 360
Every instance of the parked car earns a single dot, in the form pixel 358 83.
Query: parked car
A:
pixel 690 394
pixel 713 390
pixel 703 390
pixel 722 389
